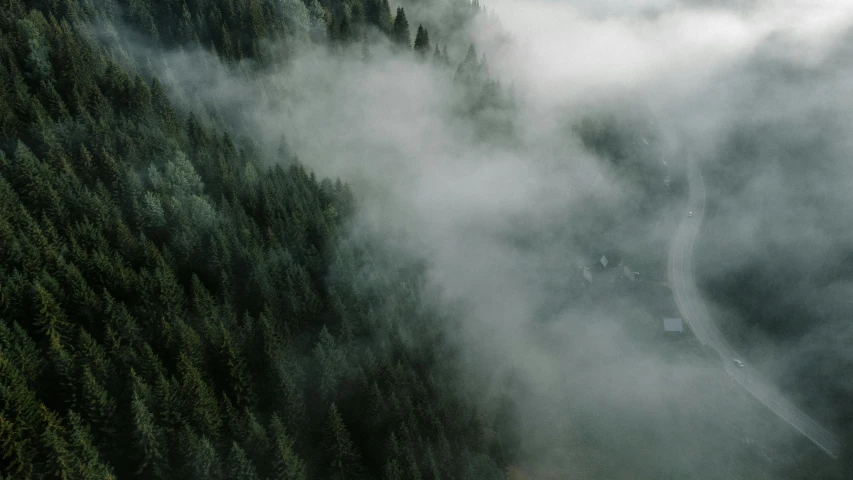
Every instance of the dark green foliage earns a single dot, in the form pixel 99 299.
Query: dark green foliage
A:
pixel 470 70
pixel 240 467
pixel 285 464
pixel 147 440
pixel 422 42
pixel 170 307
pixel 344 459
pixel 344 33
pixel 400 31
pixel 378 13
pixel 483 99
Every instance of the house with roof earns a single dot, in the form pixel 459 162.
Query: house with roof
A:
pixel 673 325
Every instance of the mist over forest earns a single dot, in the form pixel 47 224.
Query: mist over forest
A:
pixel 426 239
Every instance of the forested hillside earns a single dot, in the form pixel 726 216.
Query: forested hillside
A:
pixel 175 305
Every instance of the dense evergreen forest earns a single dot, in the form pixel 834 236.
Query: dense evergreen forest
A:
pixel 173 306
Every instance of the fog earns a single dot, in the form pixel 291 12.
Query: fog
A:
pixel 498 221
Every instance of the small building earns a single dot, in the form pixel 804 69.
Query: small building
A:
pixel 603 261
pixel 673 325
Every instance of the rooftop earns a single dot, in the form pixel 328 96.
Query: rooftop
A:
pixel 673 325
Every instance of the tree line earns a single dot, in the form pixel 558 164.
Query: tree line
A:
pixel 173 307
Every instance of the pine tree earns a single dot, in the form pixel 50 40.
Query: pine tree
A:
pixel 344 458
pixel 32 180
pixel 344 33
pixel 376 403
pixel 14 450
pixel 469 70
pixel 392 471
pixel 239 465
pixel 97 406
pixel 254 439
pixel 422 42
pixel 49 317
pixel 378 13
pixel 204 462
pixel 81 299
pixel 148 442
pixel 17 344
pixel 238 380
pixel 286 464
pixel 203 304
pixel 89 465
pixel 56 459
pixel 90 354
pixel 386 21
pixel 20 419
pixel 331 362
pixel 109 174
pixel 170 401
pixel 433 472
pixel 400 32
pixel 201 402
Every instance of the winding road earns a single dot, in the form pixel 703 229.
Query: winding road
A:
pixel 693 310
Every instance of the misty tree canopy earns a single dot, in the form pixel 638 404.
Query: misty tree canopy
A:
pixel 171 306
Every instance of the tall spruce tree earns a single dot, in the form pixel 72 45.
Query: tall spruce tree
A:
pixel 344 459
pixel 422 42
pixel 401 34
pixel 378 13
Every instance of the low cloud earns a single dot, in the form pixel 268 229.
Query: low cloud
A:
pixel 499 223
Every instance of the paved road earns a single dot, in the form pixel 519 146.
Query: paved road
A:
pixel 693 310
